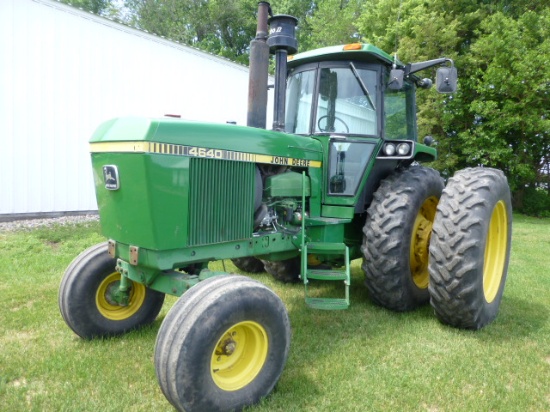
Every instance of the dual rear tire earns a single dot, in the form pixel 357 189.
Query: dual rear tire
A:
pixel 397 235
pixel 470 248
pixel 449 246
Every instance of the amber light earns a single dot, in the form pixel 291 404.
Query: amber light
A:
pixel 353 46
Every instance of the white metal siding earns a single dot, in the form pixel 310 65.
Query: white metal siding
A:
pixel 64 71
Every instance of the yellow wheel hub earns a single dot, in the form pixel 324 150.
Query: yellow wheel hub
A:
pixel 239 355
pixel 420 242
pixel 495 251
pixel 108 308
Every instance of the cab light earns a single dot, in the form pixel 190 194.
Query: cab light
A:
pixel 353 46
pixel 403 149
pixel 389 149
pixel 289 58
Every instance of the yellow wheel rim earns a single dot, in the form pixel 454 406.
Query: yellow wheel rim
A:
pixel 108 308
pixel 495 252
pixel 239 355
pixel 420 242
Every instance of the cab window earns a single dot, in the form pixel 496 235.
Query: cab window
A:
pixel 299 97
pixel 346 101
pixel 347 162
pixel 339 99
pixel 399 113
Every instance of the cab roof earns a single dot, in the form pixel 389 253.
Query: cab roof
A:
pixel 363 52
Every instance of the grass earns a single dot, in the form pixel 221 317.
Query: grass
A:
pixel 362 359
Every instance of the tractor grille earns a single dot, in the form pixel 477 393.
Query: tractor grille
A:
pixel 221 201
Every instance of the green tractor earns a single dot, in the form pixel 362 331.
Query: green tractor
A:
pixel 338 178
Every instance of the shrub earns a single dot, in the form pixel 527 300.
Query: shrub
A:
pixel 536 202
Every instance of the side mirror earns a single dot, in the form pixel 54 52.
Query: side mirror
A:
pixel 429 140
pixel 446 79
pixel 396 79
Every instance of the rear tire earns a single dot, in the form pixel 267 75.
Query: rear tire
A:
pixel 470 248
pixel 397 235
pixel 84 297
pixel 222 346
pixel 286 271
pixel 249 264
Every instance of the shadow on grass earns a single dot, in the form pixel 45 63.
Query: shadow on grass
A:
pixel 517 318
pixel 146 334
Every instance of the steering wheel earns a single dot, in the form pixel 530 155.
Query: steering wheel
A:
pixel 326 129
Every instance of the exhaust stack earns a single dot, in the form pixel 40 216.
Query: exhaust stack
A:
pixel 258 71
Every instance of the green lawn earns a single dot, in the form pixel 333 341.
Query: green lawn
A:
pixel 362 359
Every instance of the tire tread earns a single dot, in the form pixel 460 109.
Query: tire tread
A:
pixel 457 247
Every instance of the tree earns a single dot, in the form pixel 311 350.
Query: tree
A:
pixel 510 76
pixel 499 116
pixel 327 30
pixel 226 27
pixel 220 27
pixel 94 6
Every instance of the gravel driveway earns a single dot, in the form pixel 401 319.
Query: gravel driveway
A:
pixel 35 223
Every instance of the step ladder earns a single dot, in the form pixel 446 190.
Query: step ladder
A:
pixel 339 274
pixel 323 248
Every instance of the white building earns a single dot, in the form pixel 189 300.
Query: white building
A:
pixel 63 71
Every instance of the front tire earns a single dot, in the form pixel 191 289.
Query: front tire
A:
pixel 84 297
pixel 397 235
pixel 470 248
pixel 223 345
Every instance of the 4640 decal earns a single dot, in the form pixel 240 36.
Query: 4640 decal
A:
pixel 194 151
pixel 204 152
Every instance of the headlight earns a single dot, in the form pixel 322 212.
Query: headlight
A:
pixel 403 149
pixel 389 149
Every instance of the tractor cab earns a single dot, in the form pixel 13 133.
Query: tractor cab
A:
pixel 337 96
pixel 360 103
pixel 354 90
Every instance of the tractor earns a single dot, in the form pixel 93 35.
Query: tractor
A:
pixel 337 178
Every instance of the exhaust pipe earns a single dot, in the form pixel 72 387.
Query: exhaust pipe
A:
pixel 282 42
pixel 258 71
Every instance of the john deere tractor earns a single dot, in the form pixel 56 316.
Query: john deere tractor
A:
pixel 338 178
